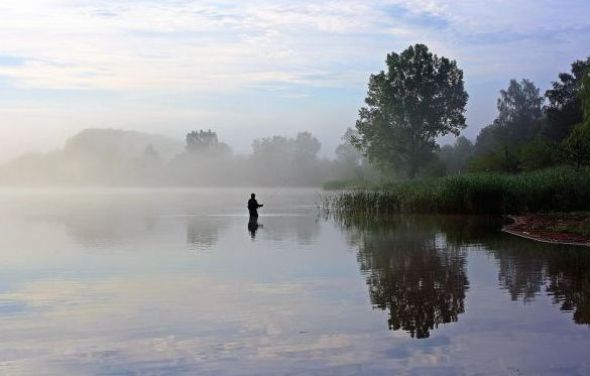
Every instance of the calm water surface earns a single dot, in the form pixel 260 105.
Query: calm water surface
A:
pixel 178 282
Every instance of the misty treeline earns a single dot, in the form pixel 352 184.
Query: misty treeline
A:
pixel 128 158
pixel 421 97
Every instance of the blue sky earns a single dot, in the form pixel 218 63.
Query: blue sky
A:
pixel 250 69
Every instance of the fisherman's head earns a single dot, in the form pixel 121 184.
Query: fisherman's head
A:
pixel 252 195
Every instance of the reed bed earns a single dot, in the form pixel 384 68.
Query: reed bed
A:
pixel 558 189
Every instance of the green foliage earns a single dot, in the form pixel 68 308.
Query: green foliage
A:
pixel 577 145
pixel 504 160
pixel 584 94
pixel 519 109
pixel 518 120
pixel 512 142
pixel 538 154
pixel 557 189
pixel 433 169
pixel 535 155
pixel 487 163
pixel 420 97
pixel 564 110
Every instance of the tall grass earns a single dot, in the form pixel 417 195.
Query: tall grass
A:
pixel 557 189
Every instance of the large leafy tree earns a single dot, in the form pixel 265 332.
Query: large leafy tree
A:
pixel 421 96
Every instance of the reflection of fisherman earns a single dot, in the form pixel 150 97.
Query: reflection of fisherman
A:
pixel 253 206
pixel 253 226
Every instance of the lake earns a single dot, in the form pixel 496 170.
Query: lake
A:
pixel 131 281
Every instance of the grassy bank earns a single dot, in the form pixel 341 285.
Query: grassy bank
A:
pixel 558 189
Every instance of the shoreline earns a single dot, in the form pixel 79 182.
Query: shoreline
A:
pixel 541 228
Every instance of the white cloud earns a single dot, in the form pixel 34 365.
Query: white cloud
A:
pixel 190 45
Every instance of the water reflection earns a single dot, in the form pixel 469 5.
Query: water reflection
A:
pixel 421 282
pixel 527 269
pixel 415 267
pixel 253 226
pixel 569 283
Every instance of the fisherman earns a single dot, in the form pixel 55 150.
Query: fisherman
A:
pixel 253 206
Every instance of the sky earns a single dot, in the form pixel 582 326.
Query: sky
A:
pixel 250 69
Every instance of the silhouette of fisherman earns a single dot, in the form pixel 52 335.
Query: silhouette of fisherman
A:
pixel 253 206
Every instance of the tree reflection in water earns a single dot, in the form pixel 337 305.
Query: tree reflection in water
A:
pixel 411 273
pixel 415 267
pixel 527 268
pixel 569 283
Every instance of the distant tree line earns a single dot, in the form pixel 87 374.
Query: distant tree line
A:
pixel 128 158
pixel 276 160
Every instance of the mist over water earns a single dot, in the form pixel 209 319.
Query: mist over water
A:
pixel 173 282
